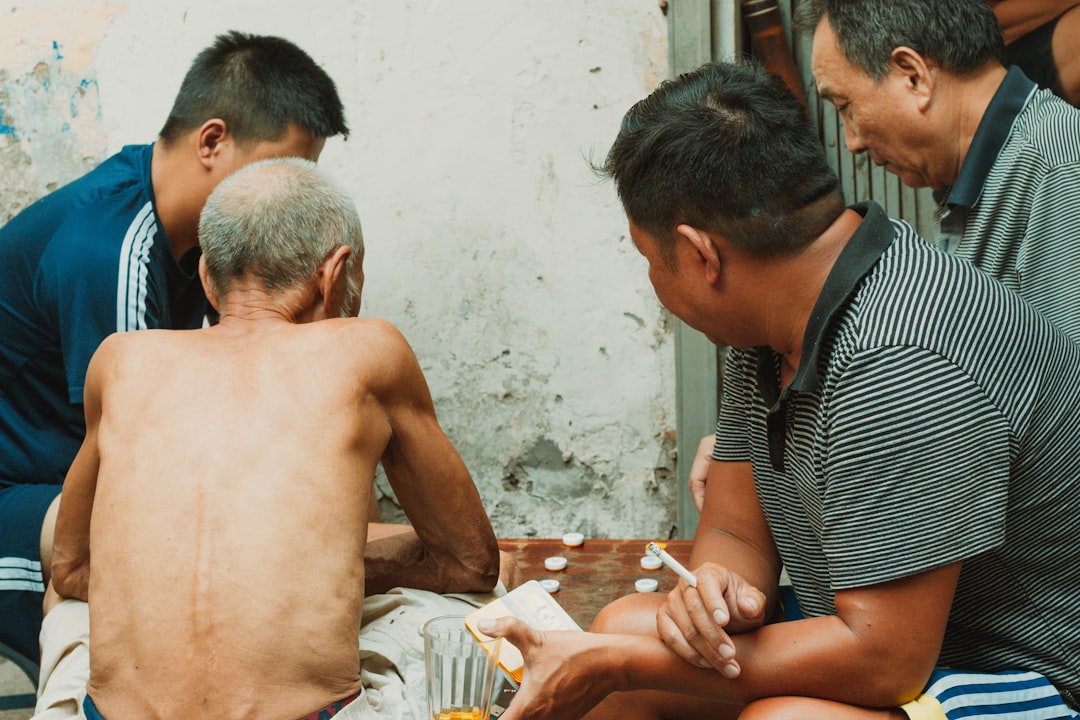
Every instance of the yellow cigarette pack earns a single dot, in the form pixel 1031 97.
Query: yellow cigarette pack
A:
pixel 531 604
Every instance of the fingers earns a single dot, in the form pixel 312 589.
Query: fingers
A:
pixel 707 608
pixel 689 629
pixel 749 609
pixel 697 490
pixel 697 623
pixel 524 638
pixel 699 470
pixel 670 621
pixel 732 602
pixel 518 633
pixel 714 585
pixel 740 606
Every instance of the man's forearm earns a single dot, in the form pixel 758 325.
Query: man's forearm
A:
pixel 391 560
pixel 71 580
pixel 818 657
pixel 399 559
pixel 750 563
pixel 1019 17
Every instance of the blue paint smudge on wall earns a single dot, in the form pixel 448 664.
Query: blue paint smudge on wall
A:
pixel 56 50
pixel 5 129
pixel 86 86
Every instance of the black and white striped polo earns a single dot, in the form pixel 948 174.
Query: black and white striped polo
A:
pixel 1014 210
pixel 934 418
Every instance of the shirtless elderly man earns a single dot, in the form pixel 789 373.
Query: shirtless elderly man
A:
pixel 226 509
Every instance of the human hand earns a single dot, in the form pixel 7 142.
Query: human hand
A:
pixel 562 679
pixel 699 470
pixel 697 623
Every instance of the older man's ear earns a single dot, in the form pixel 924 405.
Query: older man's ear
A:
pixel 332 278
pixel 211 296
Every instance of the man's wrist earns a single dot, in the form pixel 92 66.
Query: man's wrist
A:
pixel 622 663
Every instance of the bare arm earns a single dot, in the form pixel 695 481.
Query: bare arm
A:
pixel 878 651
pixel 699 470
pixel 1066 37
pixel 71 538
pixel 737 566
pixel 452 547
pixel 733 530
pixel 1019 17
pixel 387 543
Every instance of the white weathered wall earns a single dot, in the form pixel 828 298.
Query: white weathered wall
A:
pixel 491 243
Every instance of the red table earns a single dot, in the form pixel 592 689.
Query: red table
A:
pixel 596 573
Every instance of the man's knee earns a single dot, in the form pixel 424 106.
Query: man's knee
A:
pixel 774 708
pixel 48 529
pixel 629 615
pixel 65 661
pixel 803 708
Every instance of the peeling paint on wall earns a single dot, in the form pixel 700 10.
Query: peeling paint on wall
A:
pixel 50 109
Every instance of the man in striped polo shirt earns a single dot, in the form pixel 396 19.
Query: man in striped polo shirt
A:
pixel 898 429
pixel 117 250
pixel 922 90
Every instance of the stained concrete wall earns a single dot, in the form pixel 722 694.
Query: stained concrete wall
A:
pixel 491 243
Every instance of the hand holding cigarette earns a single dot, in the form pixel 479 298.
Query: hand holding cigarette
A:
pixel 702 636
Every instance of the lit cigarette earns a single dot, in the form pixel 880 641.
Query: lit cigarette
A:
pixel 673 564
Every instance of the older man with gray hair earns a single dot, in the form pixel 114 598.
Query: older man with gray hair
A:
pixel 921 88
pixel 215 517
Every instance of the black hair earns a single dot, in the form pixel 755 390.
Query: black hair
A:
pixel 725 148
pixel 959 35
pixel 258 85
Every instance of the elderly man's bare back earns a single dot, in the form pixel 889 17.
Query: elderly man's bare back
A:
pixel 230 510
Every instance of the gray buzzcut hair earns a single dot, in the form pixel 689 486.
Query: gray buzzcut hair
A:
pixel 276 220
pixel 959 35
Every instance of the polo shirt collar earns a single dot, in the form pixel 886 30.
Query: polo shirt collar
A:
pixel 994 129
pixel 873 237
pixel 870 240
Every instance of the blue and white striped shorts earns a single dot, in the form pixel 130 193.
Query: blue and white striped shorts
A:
pixel 1014 695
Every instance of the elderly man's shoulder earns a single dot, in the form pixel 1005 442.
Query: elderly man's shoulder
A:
pixel 127 351
pixel 368 348
pixel 362 330
pixel 121 344
pixel 371 338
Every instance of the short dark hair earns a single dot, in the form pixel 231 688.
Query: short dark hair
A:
pixel 725 148
pixel 959 35
pixel 257 84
